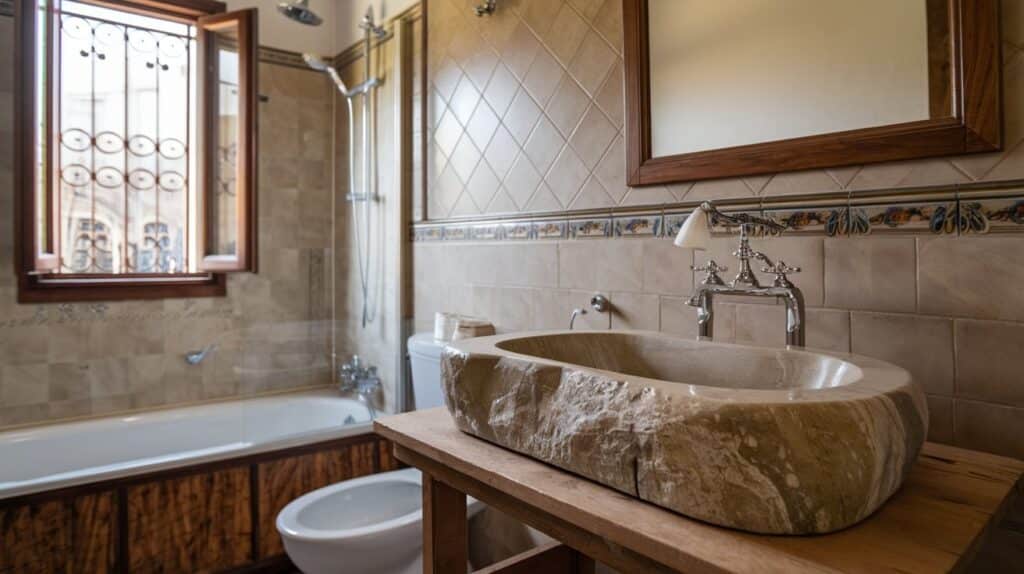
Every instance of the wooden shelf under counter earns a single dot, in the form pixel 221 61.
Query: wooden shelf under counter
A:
pixel 935 523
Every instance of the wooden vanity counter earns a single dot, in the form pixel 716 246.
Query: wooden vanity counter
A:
pixel 934 523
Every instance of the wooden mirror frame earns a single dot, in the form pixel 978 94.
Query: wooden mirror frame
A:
pixel 975 126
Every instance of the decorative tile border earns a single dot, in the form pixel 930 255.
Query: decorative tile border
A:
pixel 280 57
pixel 970 210
pixel 638 225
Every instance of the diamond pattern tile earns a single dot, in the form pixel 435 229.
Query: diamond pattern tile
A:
pixel 522 180
pixel 464 158
pixel 446 79
pixel 501 203
pixel 567 106
pixel 519 50
pixel 482 125
pixel 544 200
pixel 592 137
pixel 543 145
pixel 592 196
pixel 481 65
pixel 567 175
pixel 522 116
pixel 592 62
pixel 501 152
pixel 501 89
pixel 566 34
pixel 538 87
pixel 447 134
pixel 464 100
pixel 543 77
pixel 483 184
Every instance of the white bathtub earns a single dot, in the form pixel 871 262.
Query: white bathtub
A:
pixel 60 455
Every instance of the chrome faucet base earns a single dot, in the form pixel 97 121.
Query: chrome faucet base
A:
pixel 362 382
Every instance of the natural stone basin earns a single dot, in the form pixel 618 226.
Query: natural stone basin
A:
pixel 765 440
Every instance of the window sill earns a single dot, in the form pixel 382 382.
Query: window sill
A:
pixel 41 289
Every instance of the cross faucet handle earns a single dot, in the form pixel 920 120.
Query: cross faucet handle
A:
pixel 713 269
pixel 780 270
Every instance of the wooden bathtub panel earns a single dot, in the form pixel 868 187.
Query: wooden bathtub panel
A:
pixel 66 536
pixel 94 534
pixel 196 523
pixel 284 480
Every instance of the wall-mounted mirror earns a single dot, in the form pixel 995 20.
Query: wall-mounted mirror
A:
pixel 719 88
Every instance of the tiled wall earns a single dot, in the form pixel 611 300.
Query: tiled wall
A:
pixel 526 112
pixel 950 310
pixel 68 360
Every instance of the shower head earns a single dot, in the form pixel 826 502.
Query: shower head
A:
pixel 319 64
pixel 315 62
pixel 299 11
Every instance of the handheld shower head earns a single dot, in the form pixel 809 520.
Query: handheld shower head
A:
pixel 298 10
pixel 315 62
pixel 320 65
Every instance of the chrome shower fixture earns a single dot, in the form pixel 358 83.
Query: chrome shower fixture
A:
pixel 320 65
pixel 298 10
pixel 368 25
pixel 486 9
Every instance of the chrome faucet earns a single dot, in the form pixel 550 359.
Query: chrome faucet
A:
pixel 746 282
pixel 363 382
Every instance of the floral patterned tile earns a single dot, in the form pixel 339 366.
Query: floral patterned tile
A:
pixel 638 226
pixel 591 228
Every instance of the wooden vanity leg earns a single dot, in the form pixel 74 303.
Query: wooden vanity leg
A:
pixel 445 531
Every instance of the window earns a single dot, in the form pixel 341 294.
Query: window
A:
pixel 136 153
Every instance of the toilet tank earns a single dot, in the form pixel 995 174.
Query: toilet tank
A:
pixel 425 359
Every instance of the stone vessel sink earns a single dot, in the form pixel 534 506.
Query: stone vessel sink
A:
pixel 765 440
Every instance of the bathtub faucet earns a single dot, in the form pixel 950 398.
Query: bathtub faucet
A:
pixel 196 357
pixel 363 382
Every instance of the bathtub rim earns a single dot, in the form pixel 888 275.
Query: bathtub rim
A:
pixel 252 454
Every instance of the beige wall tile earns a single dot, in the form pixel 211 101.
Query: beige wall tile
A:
pixel 677 318
pixel 870 273
pixel 807 253
pixel 666 268
pixel 940 419
pixel 533 264
pixel 24 384
pixel 24 345
pixel 921 345
pixel 828 329
pixel 976 277
pixel 990 361
pixel 761 325
pixel 601 264
pixel 990 428
pixel 765 325
pixel 638 311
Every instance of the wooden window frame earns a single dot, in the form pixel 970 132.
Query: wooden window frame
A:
pixel 35 286
pixel 974 126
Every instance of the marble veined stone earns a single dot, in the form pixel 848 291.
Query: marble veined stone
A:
pixel 765 440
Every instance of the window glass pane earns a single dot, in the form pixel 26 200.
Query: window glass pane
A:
pixel 125 119
pixel 41 163
pixel 224 210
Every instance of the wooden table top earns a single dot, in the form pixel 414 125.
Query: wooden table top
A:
pixel 933 524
